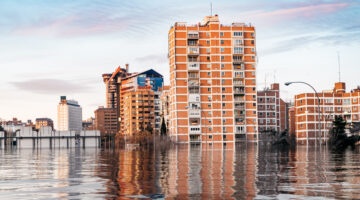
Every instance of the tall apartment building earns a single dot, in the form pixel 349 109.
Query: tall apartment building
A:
pixel 138 107
pixel 112 96
pixel 111 81
pixel 69 115
pixel 336 102
pixel 271 110
pixel 41 122
pixel 212 82
pixel 136 84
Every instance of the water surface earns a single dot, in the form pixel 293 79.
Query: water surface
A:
pixel 242 171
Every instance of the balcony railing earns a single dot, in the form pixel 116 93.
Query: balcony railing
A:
pixel 193 50
pixel 238 83
pixel 194 130
pixel 193 35
pixel 193 66
pixel 239 90
pixel 194 113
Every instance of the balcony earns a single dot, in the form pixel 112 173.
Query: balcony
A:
pixel 193 75
pixel 194 113
pixel 194 90
pixel 237 59
pixel 240 120
pixel 239 107
pixel 240 66
pixel 195 130
pixel 194 98
pixel 238 83
pixel 195 139
pixel 193 66
pixel 193 51
pixel 193 35
pixel 239 90
pixel 238 75
pixel 239 99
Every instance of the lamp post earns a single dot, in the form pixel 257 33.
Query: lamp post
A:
pixel 317 96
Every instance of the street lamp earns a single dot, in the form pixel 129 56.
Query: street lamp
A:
pixel 317 96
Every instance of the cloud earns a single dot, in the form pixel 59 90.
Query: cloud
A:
pixel 154 58
pixel 51 86
pixel 299 12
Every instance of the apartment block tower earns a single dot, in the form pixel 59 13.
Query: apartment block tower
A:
pixel 212 82
pixel 336 102
pixel 140 102
pixel 107 119
pixel 271 110
pixel 69 115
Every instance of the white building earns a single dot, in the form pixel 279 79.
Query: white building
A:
pixel 69 115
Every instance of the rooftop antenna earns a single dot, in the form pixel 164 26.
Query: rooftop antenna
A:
pixel 274 76
pixel 210 8
pixel 339 66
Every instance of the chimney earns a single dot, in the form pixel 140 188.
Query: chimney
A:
pixel 127 67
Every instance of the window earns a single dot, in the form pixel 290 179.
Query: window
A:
pixel 222 73
pixel 223 80
pixel 252 49
pixel 221 34
pixel 223 96
pixel 209 89
pixel 222 57
pixel 237 34
pixel 238 42
pixel 238 50
pixel 209 73
pixel 208 66
pixel 207 50
pixel 252 42
pixel 223 89
pixel 223 104
pixel 208 42
pixel 222 49
pixel 221 41
pixel 222 66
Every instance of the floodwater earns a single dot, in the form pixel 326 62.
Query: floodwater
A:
pixel 242 171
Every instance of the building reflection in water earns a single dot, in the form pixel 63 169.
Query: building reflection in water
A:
pixel 238 171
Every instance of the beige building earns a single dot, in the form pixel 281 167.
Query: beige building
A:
pixel 212 82
pixel 138 111
pixel 42 122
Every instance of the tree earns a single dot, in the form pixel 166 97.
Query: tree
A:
pixel 338 139
pixel 163 127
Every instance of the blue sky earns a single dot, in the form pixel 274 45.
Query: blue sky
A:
pixel 61 47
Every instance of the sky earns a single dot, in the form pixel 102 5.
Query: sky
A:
pixel 59 48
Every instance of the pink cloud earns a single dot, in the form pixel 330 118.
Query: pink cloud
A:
pixel 73 25
pixel 309 11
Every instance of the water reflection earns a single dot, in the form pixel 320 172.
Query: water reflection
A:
pixel 241 171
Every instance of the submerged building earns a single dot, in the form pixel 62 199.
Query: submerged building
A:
pixel 313 113
pixel 212 82
pixel 69 115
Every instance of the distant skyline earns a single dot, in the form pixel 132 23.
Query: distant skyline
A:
pixel 61 48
